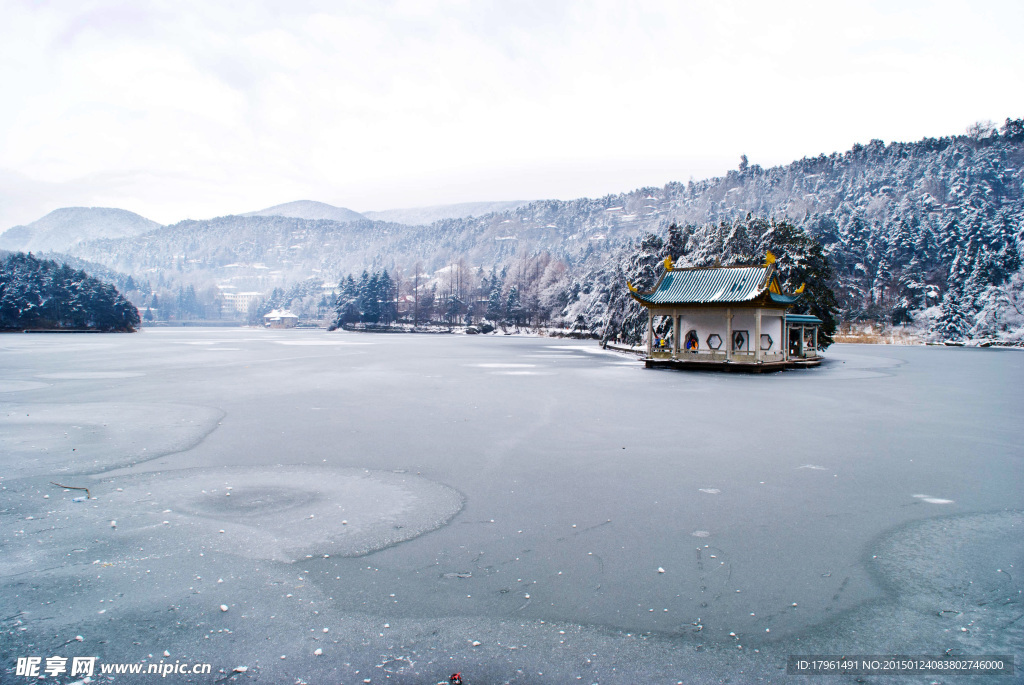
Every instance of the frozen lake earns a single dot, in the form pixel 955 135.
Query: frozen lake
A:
pixel 521 510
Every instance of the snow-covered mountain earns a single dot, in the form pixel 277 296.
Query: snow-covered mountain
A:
pixel 416 216
pixel 927 231
pixel 63 228
pixel 310 209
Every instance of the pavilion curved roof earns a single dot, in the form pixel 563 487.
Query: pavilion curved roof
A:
pixel 716 285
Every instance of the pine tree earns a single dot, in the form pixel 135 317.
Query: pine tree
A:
pixel 346 310
pixel 371 304
pixel 951 325
pixel 802 261
pixel 494 305
pixel 513 306
pixel 386 289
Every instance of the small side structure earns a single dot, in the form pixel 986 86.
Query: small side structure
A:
pixel 280 318
pixel 731 318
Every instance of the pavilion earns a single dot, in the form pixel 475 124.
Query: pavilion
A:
pixel 732 318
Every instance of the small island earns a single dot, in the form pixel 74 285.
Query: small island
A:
pixel 42 295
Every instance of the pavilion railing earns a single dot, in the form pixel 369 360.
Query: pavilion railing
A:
pixel 739 356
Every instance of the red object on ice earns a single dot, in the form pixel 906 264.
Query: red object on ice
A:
pixel 455 679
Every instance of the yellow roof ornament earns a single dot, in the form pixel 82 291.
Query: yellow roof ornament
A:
pixel 801 288
pixel 668 264
pixel 632 288
pixel 769 258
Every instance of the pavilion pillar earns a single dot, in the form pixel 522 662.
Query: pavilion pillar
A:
pixel 815 341
pixel 728 334
pixel 675 334
pixel 785 337
pixel 757 334
pixel 650 334
pixel 800 343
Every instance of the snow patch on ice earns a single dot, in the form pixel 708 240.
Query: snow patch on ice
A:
pixel 933 500
pixel 281 513
pixel 589 349
pixel 711 491
pixel 701 534
pixel 813 467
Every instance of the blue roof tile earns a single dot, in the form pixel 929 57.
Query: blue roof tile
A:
pixel 721 284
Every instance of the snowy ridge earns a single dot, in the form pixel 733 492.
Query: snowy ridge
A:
pixel 63 228
pixel 310 209
pixel 415 216
pixel 927 233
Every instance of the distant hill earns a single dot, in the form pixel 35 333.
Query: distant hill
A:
pixel 310 210
pixel 62 228
pixel 929 232
pixel 419 216
pixel 253 252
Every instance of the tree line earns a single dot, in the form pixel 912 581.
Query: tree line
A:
pixel 37 293
pixel 526 292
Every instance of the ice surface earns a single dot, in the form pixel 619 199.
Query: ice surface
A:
pixel 273 513
pixel 90 375
pixel 60 439
pixel 20 386
pixel 575 492
pixel 320 343
pixel 522 373
pixel 504 366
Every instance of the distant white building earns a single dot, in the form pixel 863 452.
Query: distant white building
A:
pixel 280 318
pixel 240 302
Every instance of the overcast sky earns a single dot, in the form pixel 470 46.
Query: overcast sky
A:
pixel 184 110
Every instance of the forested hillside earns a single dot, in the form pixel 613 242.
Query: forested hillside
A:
pixel 927 233
pixel 43 294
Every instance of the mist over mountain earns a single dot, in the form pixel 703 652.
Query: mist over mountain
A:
pixel 260 252
pixel 310 209
pixel 427 215
pixel 927 232
pixel 63 228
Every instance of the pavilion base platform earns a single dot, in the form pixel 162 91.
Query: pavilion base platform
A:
pixel 731 366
